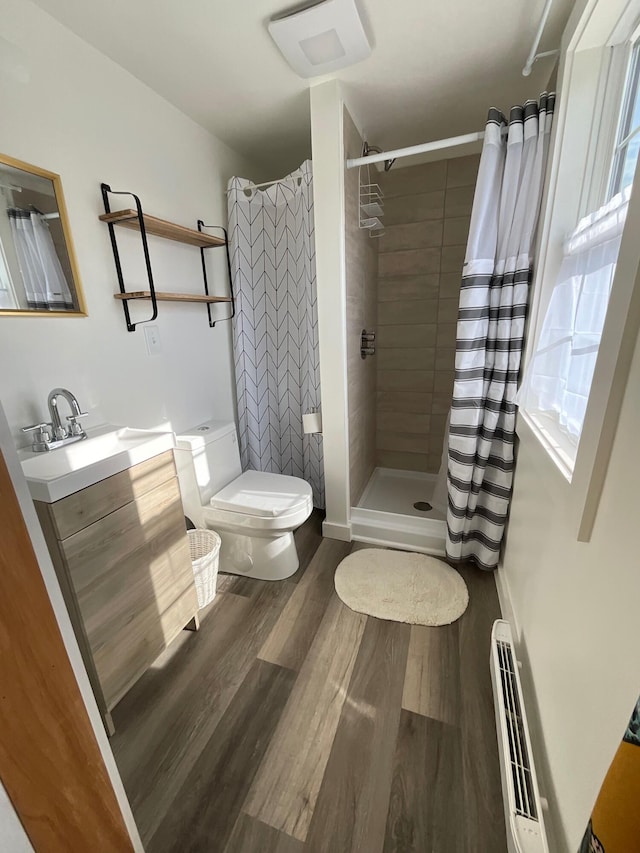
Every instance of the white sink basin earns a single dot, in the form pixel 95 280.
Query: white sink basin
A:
pixel 54 474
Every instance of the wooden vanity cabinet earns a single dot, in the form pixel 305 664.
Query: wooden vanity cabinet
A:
pixel 121 553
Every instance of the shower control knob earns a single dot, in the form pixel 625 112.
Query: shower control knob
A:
pixel 367 341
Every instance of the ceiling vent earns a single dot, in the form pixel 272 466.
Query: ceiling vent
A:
pixel 321 39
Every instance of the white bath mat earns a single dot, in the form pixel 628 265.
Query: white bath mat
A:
pixel 401 586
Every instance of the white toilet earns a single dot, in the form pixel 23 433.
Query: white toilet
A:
pixel 255 513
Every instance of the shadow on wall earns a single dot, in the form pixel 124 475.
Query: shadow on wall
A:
pixel 361 271
pixel 421 255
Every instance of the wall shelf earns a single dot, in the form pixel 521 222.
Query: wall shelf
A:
pixel 145 224
pixel 161 228
pixel 171 297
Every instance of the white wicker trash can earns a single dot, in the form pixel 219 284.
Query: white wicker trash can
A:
pixel 205 555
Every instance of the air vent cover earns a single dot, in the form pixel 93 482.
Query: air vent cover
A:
pixel 518 751
pixel 522 802
pixel 321 39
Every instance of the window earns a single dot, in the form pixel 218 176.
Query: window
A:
pixel 628 142
pixel 557 383
pixel 7 297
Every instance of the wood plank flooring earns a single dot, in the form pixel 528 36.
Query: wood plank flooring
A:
pixel 291 724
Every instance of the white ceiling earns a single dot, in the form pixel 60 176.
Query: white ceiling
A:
pixel 435 69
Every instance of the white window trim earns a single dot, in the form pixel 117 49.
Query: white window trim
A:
pixel 6 285
pixel 554 441
pixel 593 65
pixel 6 281
pixel 604 131
pixel 617 146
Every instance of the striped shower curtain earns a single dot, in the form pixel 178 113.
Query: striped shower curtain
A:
pixel 491 320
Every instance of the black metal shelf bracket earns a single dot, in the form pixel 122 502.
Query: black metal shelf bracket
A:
pixel 106 190
pixel 212 322
pixel 131 327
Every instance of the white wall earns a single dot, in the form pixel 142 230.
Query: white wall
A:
pixel 328 189
pixel 84 117
pixel 576 608
pixel 574 604
pixel 13 838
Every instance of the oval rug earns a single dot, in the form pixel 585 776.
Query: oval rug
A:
pixel 401 586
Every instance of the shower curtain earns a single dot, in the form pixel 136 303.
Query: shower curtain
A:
pixel 45 286
pixel 491 320
pixel 275 329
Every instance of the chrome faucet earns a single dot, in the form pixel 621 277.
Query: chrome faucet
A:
pixel 49 436
pixel 60 432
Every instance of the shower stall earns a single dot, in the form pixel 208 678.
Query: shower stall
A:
pixel 403 285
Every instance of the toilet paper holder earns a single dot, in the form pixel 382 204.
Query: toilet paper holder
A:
pixel 311 423
pixel 367 343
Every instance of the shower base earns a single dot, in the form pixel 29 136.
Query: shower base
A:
pixel 386 514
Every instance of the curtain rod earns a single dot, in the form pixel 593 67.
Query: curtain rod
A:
pixel 253 186
pixel 451 142
pixel 55 215
pixel 533 54
pixel 469 137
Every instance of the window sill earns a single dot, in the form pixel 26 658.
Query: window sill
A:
pixel 552 440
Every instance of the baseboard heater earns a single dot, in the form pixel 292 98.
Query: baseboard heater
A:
pixel 522 801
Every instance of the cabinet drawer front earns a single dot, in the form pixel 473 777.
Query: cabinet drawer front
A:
pixel 122 661
pixel 83 508
pixel 131 572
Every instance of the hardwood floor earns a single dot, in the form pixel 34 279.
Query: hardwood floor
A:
pixel 291 724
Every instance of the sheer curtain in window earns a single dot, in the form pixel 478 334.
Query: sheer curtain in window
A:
pixel 558 378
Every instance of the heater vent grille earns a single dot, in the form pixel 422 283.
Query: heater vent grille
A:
pixel 519 759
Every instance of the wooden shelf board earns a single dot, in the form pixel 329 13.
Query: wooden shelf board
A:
pixel 162 228
pixel 171 297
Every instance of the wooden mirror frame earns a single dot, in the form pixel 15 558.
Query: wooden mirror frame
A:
pixel 66 230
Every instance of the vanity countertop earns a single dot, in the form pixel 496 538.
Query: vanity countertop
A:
pixel 107 450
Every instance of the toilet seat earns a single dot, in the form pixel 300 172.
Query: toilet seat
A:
pixel 260 494
pixel 262 502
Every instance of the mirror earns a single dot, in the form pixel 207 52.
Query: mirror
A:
pixel 38 268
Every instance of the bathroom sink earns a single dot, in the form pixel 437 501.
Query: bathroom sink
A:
pixel 54 474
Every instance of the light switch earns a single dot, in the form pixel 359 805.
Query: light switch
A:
pixel 152 337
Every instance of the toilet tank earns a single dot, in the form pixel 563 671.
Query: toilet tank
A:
pixel 207 458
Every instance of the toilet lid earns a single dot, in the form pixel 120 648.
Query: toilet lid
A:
pixel 262 494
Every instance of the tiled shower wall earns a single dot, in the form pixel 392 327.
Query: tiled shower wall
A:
pixel 361 252
pixel 426 216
